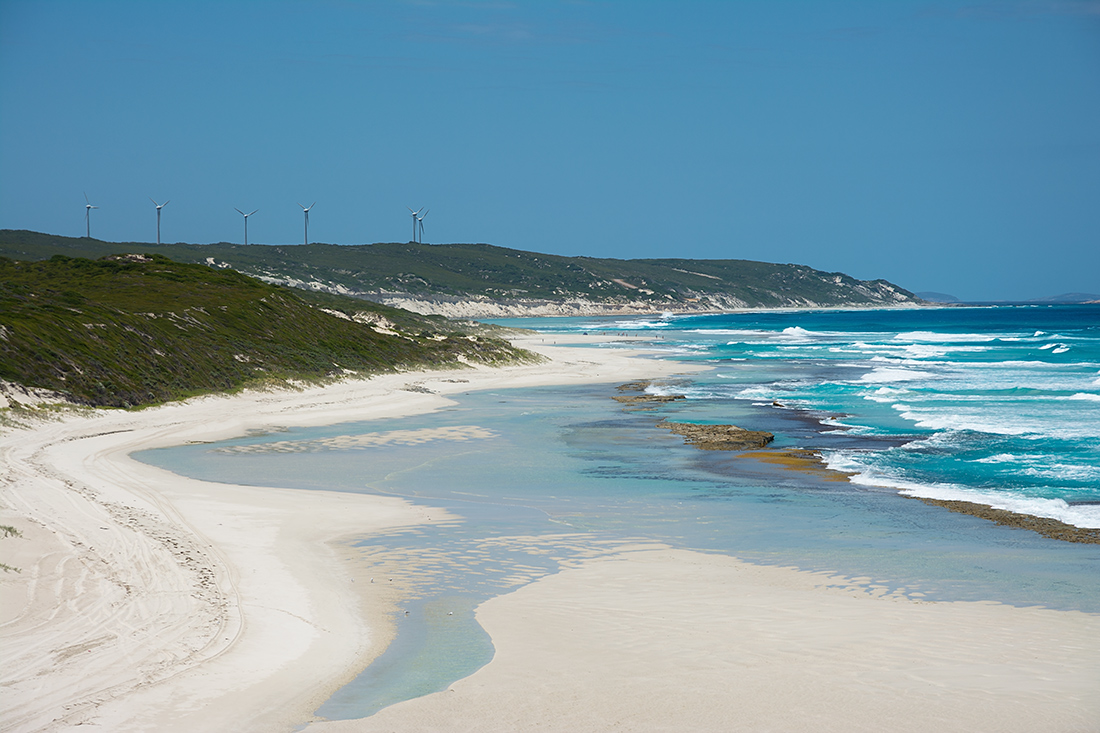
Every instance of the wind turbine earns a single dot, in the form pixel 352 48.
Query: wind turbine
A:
pixel 420 220
pixel 415 214
pixel 88 216
pixel 305 210
pixel 159 207
pixel 245 221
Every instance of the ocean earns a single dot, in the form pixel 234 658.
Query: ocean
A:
pixel 997 405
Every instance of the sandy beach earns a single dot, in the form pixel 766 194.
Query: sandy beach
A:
pixel 149 601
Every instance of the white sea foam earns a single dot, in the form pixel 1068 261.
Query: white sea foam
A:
pixel 944 337
pixel 1041 466
pixel 626 326
pixel 910 351
pixel 885 395
pixel 1085 396
pixel 1085 516
pixel 1001 458
pixel 1010 418
pixel 791 334
pixel 754 335
pixel 1062 472
pixel 979 423
pixel 887 374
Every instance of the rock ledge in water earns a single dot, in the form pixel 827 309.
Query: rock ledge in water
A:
pixel 719 437
pixel 643 398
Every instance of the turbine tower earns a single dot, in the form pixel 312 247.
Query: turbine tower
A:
pixel 415 214
pixel 420 220
pixel 305 210
pixel 88 216
pixel 159 207
pixel 245 221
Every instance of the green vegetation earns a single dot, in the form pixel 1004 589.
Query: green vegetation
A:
pixel 131 330
pixel 376 271
pixel 6 530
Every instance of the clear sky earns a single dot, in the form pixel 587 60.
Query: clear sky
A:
pixel 945 146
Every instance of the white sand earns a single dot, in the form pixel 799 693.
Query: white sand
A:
pixel 670 640
pixel 153 602
pixel 149 601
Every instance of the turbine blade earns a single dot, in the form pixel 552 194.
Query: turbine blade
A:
pixel 253 212
pixel 86 198
pixel 154 202
pixel 165 203
pixel 238 211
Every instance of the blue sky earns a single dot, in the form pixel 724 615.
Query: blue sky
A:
pixel 946 146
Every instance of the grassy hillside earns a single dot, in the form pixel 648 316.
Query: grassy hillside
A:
pixel 485 271
pixel 131 330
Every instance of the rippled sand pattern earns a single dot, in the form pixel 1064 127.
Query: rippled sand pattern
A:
pixel 368 440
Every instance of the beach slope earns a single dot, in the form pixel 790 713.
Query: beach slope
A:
pixel 149 601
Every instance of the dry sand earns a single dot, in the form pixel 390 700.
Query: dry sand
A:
pixel 152 602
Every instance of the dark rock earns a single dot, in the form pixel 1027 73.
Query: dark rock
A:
pixel 639 386
pixel 630 399
pixel 719 437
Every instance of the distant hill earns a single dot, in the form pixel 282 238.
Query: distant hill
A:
pixel 1069 298
pixel 133 330
pixel 481 280
pixel 938 297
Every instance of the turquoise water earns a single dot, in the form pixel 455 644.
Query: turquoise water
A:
pixel 542 478
pixel 999 405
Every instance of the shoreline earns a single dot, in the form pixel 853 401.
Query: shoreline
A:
pixel 177 604
pixel 811 462
pixel 652 638
pixel 186 605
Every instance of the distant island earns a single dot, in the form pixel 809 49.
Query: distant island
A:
pixel 485 281
pixel 1063 299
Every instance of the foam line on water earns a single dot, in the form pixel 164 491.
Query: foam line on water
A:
pixel 1085 516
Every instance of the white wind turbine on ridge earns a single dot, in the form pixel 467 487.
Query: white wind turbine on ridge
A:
pixel 88 216
pixel 305 210
pixel 159 207
pixel 420 220
pixel 415 214
pixel 245 221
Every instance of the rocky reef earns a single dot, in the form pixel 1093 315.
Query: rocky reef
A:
pixel 642 398
pixel 719 437
pixel 1051 528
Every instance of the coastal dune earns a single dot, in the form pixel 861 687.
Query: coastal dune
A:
pixel 150 601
